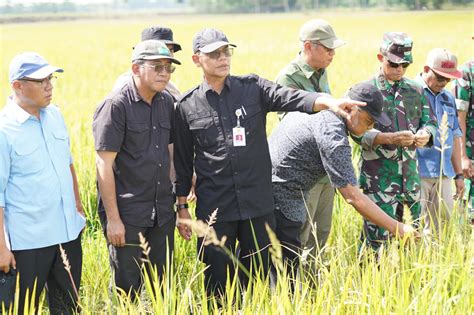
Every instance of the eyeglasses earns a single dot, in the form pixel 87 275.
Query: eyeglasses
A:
pixel 44 82
pixel 216 54
pixel 396 65
pixel 440 78
pixel 328 50
pixel 160 67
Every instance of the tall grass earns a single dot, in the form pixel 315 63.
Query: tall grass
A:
pixel 432 276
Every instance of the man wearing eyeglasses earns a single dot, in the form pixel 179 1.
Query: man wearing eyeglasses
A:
pixel 440 68
pixel 222 135
pixel 133 129
pixel 164 35
pixel 308 71
pixel 464 93
pixel 40 205
pixel 389 174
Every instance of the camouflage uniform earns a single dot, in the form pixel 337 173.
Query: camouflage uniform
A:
pixel 464 93
pixel 389 173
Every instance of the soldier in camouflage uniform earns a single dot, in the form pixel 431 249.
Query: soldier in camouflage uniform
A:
pixel 389 174
pixel 464 93
pixel 307 71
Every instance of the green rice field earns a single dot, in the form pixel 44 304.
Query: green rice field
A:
pixel 431 276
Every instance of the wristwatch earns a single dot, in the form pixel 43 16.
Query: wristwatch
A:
pixel 459 176
pixel 181 206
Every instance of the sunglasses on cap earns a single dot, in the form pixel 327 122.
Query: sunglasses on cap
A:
pixel 396 65
pixel 440 78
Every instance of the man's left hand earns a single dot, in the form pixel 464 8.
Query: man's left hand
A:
pixel 421 138
pixel 183 229
pixel 459 188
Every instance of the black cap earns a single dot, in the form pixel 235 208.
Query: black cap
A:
pixel 368 93
pixel 163 34
pixel 209 39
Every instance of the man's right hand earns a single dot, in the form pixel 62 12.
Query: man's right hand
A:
pixel 406 231
pixel 403 138
pixel 116 232
pixel 7 260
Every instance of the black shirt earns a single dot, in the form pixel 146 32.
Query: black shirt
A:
pixel 237 180
pixel 140 133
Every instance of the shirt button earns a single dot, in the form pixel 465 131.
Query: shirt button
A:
pixel 154 127
pixel 235 173
pixel 159 164
pixel 157 146
pixel 158 183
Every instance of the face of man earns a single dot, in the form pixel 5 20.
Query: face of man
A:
pixel 215 64
pixel 33 93
pixel 318 56
pixel 392 71
pixel 434 81
pixel 361 121
pixel 154 75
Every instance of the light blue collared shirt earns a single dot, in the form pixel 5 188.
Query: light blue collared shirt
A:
pixel 429 159
pixel 36 186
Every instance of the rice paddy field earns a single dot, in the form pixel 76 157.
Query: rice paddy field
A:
pixel 431 276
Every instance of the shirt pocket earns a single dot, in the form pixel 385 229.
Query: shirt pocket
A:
pixel 137 136
pixel 28 157
pixel 253 121
pixel 450 111
pixel 205 131
pixel 61 143
pixel 165 128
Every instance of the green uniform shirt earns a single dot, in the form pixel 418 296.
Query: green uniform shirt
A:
pixel 299 75
pixel 464 92
pixel 389 168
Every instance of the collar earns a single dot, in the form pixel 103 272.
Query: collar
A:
pixel 425 86
pixel 205 87
pixel 13 110
pixel 383 84
pixel 307 70
pixel 133 90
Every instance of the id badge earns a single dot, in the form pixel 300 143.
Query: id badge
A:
pixel 238 136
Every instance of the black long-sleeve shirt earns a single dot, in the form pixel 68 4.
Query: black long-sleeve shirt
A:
pixel 237 180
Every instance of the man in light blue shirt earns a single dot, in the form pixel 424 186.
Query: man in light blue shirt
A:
pixel 40 207
pixel 443 160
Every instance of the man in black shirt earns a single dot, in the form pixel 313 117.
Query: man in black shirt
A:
pixel 133 129
pixel 223 137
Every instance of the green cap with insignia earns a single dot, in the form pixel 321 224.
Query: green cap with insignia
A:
pixel 320 30
pixel 396 47
pixel 151 50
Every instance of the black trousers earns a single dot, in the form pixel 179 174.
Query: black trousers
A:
pixel 45 266
pixel 253 252
pixel 126 262
pixel 288 233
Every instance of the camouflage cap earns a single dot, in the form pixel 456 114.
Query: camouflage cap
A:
pixel 397 46
pixel 321 31
pixel 152 50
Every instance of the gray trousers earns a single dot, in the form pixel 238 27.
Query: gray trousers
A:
pixel 433 213
pixel 319 217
